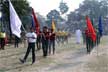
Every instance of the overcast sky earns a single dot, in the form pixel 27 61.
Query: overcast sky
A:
pixel 44 6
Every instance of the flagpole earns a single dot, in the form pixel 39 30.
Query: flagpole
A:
pixel 24 28
pixel 9 22
pixel 97 49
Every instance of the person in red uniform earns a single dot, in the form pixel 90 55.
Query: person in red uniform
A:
pixel 52 41
pixel 45 41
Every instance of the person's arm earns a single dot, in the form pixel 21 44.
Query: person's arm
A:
pixel 34 36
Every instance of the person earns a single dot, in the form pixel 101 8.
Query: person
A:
pixel 78 36
pixel 83 36
pixel 52 41
pixel 98 36
pixel 88 39
pixel 45 41
pixel 16 42
pixel 2 39
pixel 39 40
pixel 31 38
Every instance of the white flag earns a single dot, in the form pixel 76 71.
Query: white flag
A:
pixel 15 21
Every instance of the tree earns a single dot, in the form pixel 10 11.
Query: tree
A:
pixel 22 8
pixel 92 8
pixel 63 7
pixel 54 14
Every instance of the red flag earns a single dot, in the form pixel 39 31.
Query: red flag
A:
pixel 91 29
pixel 36 22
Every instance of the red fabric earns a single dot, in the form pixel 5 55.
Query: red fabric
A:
pixel 36 22
pixel 87 32
pixel 47 35
pixel 91 29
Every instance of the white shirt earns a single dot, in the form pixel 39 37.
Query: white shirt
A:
pixel 78 36
pixel 31 37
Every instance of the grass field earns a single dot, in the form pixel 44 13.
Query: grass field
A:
pixel 69 57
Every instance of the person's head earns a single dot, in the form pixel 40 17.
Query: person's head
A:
pixel 45 29
pixel 31 29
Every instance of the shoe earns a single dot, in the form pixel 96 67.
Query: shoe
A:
pixel 22 61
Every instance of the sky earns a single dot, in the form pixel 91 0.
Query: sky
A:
pixel 44 6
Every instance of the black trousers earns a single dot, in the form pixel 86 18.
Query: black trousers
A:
pixel 16 43
pixel 38 43
pixel 88 44
pixel 45 47
pixel 2 42
pixel 31 46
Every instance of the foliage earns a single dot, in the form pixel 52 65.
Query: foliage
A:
pixel 53 14
pixel 92 8
pixel 22 8
pixel 63 8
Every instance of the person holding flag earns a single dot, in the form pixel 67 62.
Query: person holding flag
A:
pixel 90 34
pixel 52 41
pixel 16 24
pixel 35 24
pixel 31 38
pixel 52 37
pixel 100 30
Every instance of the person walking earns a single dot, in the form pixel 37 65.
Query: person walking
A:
pixel 39 41
pixel 45 41
pixel 52 42
pixel 88 39
pixel 31 38
pixel 16 42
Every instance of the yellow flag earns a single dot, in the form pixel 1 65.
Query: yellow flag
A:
pixel 53 25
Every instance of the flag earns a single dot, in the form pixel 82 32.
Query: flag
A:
pixel 100 26
pixel 91 29
pixel 53 25
pixel 36 23
pixel 15 22
pixel 33 25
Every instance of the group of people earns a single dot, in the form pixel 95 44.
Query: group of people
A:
pixel 44 40
pixel 62 37
pixel 90 44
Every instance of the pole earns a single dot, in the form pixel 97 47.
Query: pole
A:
pixel 24 28
pixel 97 49
pixel 10 35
